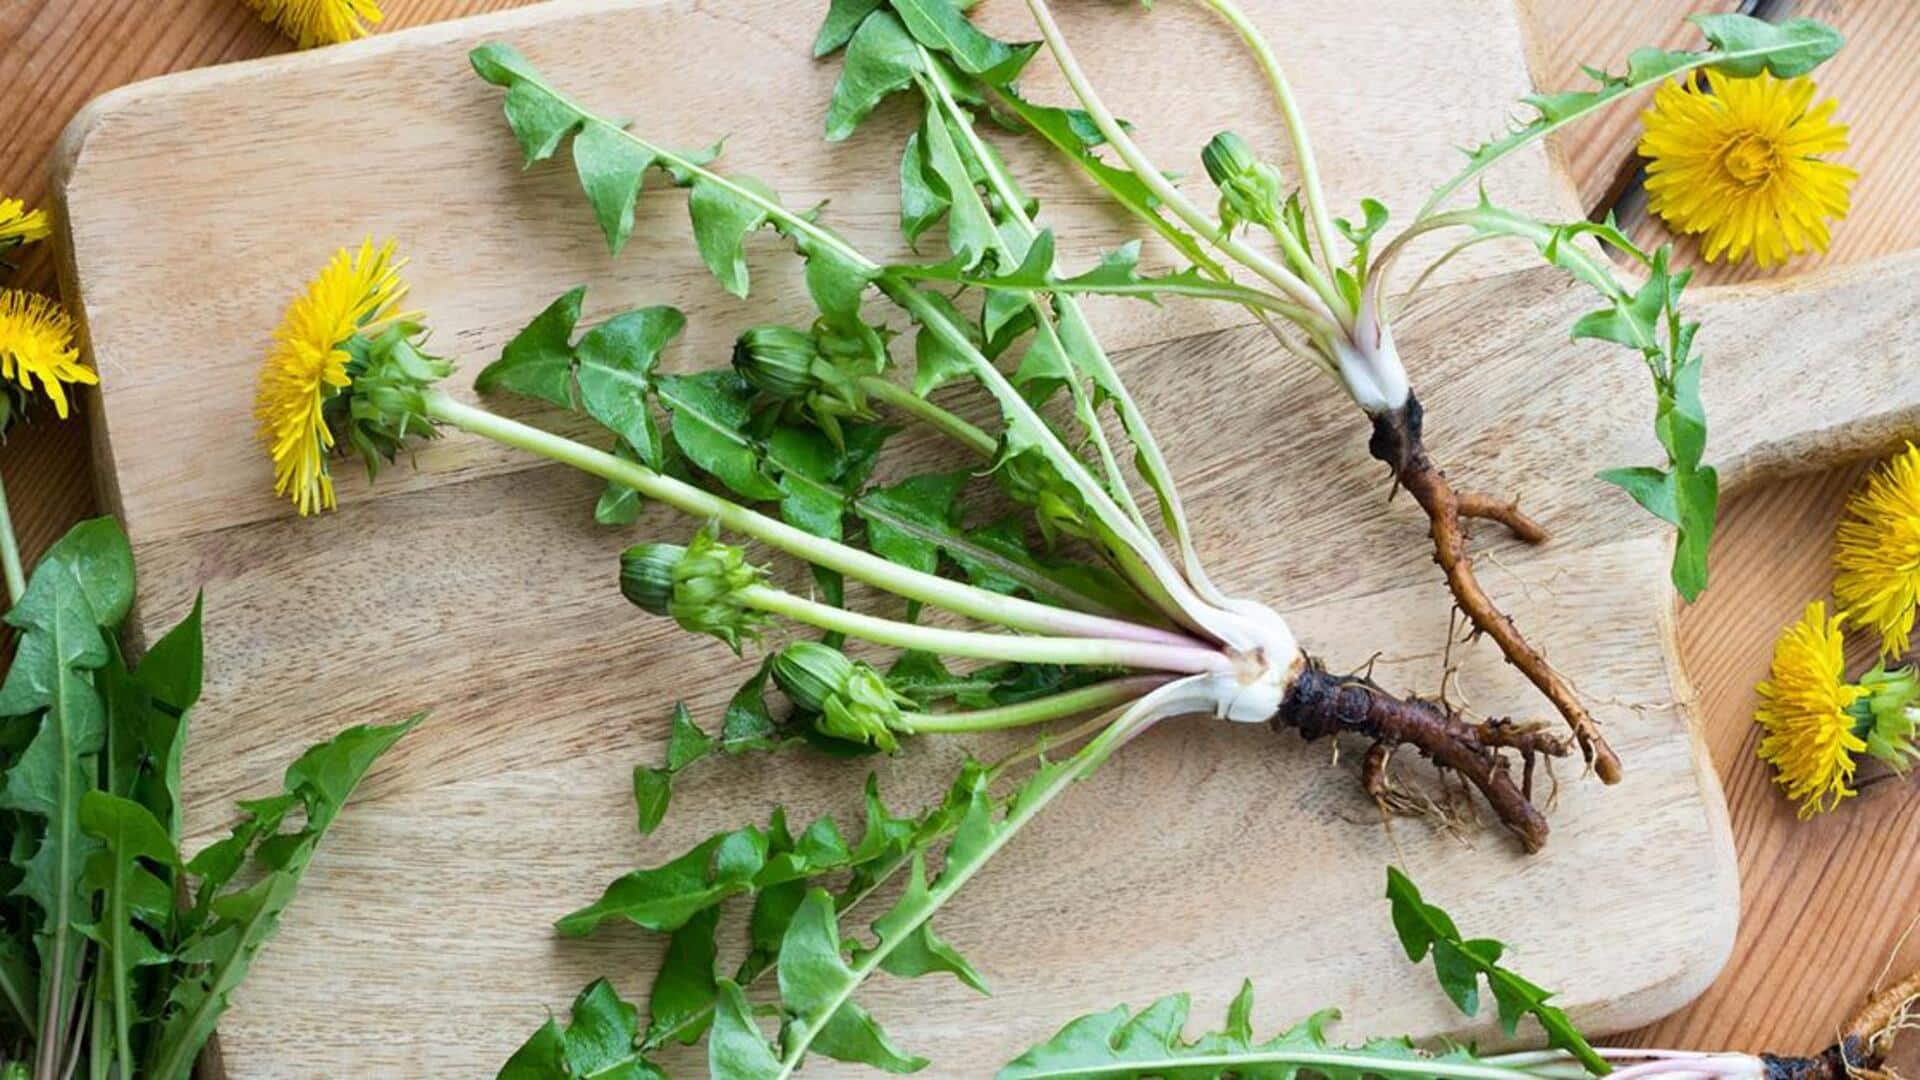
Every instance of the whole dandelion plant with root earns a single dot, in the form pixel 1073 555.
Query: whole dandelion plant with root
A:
pixel 1072 616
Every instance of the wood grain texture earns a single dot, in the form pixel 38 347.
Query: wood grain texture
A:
pixel 1794 969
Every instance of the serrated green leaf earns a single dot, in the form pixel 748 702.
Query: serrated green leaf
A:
pixel 919 951
pixel 843 18
pixel 1121 1045
pixel 1751 45
pixel 922 201
pixel 881 60
pixel 599 1041
pixel 684 989
pixel 736 1050
pixel 652 793
pixel 1460 964
pixel 971 231
pixel 942 27
pixel 230 928
pixel 540 120
pixel 709 416
pixel 665 897
pixel 723 218
pixel 614 371
pixel 75 598
pixel 612 170
pixel 816 986
pixel 538 362
pixel 908 521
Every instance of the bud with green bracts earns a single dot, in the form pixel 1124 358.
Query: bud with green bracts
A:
pixel 384 402
pixel 1886 717
pixel 851 700
pixel 814 374
pixel 777 360
pixel 698 586
pixel 1249 188
pixel 646 575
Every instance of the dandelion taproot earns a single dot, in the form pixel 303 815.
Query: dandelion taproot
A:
pixel 36 344
pixel 319 22
pixel 1877 553
pixel 308 366
pixel 1738 163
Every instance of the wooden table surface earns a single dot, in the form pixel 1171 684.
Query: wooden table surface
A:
pixel 1824 903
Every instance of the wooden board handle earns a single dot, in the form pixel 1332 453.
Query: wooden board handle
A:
pixel 1807 372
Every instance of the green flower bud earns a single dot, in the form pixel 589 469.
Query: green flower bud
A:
pixel 1886 718
pixel 698 586
pixel 777 360
pixel 646 575
pixel 851 700
pixel 809 673
pixel 1249 188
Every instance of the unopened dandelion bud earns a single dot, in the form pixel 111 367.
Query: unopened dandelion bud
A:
pixel 1250 189
pixel 778 360
pixel 646 575
pixel 849 698
pixel 810 673
pixel 707 582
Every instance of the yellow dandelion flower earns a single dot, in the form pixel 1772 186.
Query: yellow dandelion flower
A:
pixel 308 365
pixel 319 22
pixel 1810 738
pixel 1877 553
pixel 18 225
pixel 1737 163
pixel 36 342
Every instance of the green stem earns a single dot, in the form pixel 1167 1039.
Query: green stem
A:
pixel 1021 416
pixel 122 992
pixel 1041 791
pixel 905 400
pixel 1314 294
pixel 958 597
pixel 1086 699
pixel 1012 648
pixel 1537 130
pixel 934 85
pixel 16 575
pixel 1332 1060
pixel 1296 124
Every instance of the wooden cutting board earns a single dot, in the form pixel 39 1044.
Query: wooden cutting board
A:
pixel 478 586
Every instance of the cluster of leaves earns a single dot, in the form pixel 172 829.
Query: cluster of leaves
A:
pixel 1122 1045
pixel 1460 964
pixel 1648 320
pixel 800 892
pixel 116 948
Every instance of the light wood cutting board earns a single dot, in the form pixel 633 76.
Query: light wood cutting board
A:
pixel 478 586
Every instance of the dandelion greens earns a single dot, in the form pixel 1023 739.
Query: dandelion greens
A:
pixel 1082 619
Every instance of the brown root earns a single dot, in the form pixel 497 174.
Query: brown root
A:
pixel 1397 442
pixel 1319 704
pixel 1865 1043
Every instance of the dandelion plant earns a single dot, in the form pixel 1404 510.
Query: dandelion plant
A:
pixel 1071 617
pixel 117 951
